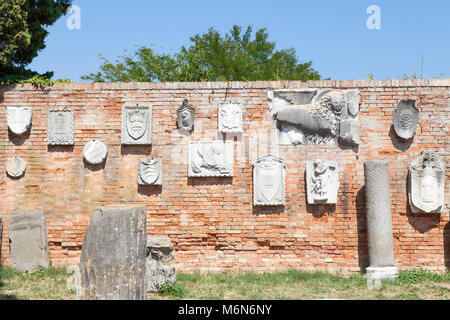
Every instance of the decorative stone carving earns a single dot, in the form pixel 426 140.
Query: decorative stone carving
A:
pixel 113 256
pixel 19 119
pixel 28 241
pixel 230 117
pixel 150 171
pixel 210 159
pixel 269 181
pixel 186 116
pixel 15 167
pixel 316 116
pixel 379 221
pixel 322 181
pixel 136 125
pixel 426 183
pixel 406 118
pixel 160 263
pixel 60 127
pixel 95 152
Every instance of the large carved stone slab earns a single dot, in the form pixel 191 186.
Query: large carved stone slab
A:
pixel 60 127
pixel 15 167
pixel 28 241
pixel 95 152
pixel 19 119
pixel 426 183
pixel 315 116
pixel 269 181
pixel 160 263
pixel 210 159
pixel 112 264
pixel 150 171
pixel 230 117
pixel 406 118
pixel 185 116
pixel 136 125
pixel 322 181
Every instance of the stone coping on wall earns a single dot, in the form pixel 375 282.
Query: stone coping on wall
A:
pixel 235 85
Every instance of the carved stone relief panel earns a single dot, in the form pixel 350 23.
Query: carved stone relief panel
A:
pixel 269 181
pixel 15 167
pixel 60 127
pixel 426 183
pixel 95 152
pixel 19 119
pixel 150 171
pixel 322 182
pixel 314 116
pixel 406 118
pixel 230 117
pixel 185 116
pixel 136 125
pixel 210 159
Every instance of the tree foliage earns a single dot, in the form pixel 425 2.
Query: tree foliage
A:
pixel 236 56
pixel 22 35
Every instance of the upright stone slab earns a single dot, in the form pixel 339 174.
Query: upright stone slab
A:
pixel 269 174
pixel 136 125
pixel 112 263
pixel 379 221
pixel 160 263
pixel 60 127
pixel 230 117
pixel 28 241
pixel 322 181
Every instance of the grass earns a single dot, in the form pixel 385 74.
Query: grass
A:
pixel 416 284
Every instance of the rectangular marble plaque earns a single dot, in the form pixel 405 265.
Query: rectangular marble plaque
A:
pixel 136 125
pixel 60 127
pixel 210 159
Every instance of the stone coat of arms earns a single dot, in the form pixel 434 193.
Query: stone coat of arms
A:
pixel 185 116
pixel 230 117
pixel 406 118
pixel 136 125
pixel 19 119
pixel 150 171
pixel 269 181
pixel 60 127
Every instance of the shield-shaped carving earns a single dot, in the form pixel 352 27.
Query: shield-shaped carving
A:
pixel 425 193
pixel 186 116
pixel 19 119
pixel 268 181
pixel 136 123
pixel 150 171
pixel 230 117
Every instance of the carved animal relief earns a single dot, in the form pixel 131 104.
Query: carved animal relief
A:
pixel 316 116
pixel 426 183
pixel 230 117
pixel 186 116
pixel 406 118
pixel 150 171
pixel 268 181
pixel 60 127
pixel 210 159
pixel 136 125
pixel 95 152
pixel 15 167
pixel 322 182
pixel 19 119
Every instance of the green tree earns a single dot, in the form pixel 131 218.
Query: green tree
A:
pixel 22 35
pixel 210 57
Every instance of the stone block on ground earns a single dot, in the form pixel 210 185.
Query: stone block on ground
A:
pixel 160 263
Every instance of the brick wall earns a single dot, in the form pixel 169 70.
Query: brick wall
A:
pixel 211 221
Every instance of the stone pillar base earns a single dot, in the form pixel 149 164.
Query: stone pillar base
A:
pixel 381 273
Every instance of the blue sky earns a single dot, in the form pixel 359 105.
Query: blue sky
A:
pixel 333 34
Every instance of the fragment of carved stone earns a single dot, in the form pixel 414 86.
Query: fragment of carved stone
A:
pixel 150 171
pixel 230 117
pixel 136 125
pixel 322 181
pixel 60 127
pixel 210 159
pixel 19 119
pixel 269 181
pixel 95 152
pixel 426 183
pixel 185 116
pixel 406 118
pixel 15 167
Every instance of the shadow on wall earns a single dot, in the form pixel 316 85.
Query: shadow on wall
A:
pixel 19 140
pixel 142 150
pixel 94 167
pixel 60 148
pixel 363 248
pixel 257 210
pixel 447 246
pixel 149 190
pixel 399 143
pixel 205 181
pixel 319 210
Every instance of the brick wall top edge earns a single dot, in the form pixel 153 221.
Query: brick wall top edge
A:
pixel 235 85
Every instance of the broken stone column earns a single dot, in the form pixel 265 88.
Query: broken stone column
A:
pixel 112 264
pixel 160 263
pixel 28 241
pixel 379 221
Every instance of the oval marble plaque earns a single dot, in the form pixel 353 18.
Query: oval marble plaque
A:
pixel 95 152
pixel 15 167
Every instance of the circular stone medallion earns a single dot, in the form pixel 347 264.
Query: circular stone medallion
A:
pixel 15 167
pixel 95 152
pixel 406 118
